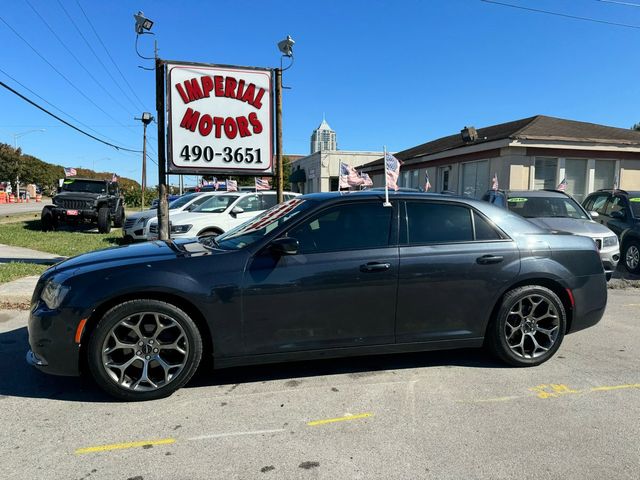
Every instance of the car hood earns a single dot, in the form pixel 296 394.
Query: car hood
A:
pixel 130 254
pixel 577 226
pixel 78 196
pixel 143 214
pixel 182 217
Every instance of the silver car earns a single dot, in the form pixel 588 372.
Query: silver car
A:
pixel 559 212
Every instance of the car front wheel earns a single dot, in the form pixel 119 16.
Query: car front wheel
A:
pixel 144 350
pixel 631 256
pixel 529 326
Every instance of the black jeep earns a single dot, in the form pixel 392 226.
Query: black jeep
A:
pixel 81 200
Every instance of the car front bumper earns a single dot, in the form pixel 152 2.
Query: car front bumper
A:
pixel 63 214
pixel 610 257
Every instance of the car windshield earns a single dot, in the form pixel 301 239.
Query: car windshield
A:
pixel 216 204
pixel 182 201
pixel 72 185
pixel 634 202
pixel 256 228
pixel 548 207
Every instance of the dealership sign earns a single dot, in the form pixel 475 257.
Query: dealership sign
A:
pixel 220 119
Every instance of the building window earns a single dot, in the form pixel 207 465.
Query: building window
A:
pixel 333 184
pixel 475 178
pixel 546 172
pixel 414 178
pixel 575 172
pixel 604 174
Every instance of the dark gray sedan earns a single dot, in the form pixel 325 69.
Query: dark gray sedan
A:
pixel 322 275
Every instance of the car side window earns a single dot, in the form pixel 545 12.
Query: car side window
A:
pixel 615 204
pixel 268 200
pixel 599 204
pixel 201 199
pixel 484 230
pixel 438 223
pixel 250 203
pixel 355 226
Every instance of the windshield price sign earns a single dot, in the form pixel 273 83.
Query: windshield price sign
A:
pixel 220 119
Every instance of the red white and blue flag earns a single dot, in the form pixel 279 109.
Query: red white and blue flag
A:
pixel 262 184
pixel 114 178
pixel 70 172
pixel 349 177
pixel 367 182
pixel 232 186
pixel 494 182
pixel 427 183
pixel 562 186
pixel 392 168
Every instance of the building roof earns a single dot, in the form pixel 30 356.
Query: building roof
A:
pixel 538 128
pixel 324 126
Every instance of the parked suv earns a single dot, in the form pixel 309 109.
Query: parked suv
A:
pixel 134 225
pixel 557 211
pixel 620 211
pixel 82 200
pixel 218 214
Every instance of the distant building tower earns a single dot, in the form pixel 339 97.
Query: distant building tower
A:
pixel 323 138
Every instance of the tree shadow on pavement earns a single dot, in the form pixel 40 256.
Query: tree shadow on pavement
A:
pixel 18 379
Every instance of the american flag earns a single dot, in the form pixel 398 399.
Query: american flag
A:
pixel 367 180
pixel 427 183
pixel 262 184
pixel 392 167
pixel 232 186
pixel 494 182
pixel 70 172
pixel 114 178
pixel 562 186
pixel 349 177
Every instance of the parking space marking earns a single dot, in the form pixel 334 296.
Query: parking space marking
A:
pixel 339 419
pixel 234 434
pixel 120 446
pixel 615 387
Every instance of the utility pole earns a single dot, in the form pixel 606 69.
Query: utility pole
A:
pixel 146 119
pixel 279 169
pixel 163 207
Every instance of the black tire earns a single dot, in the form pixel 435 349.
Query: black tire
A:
pixel 498 330
pixel 47 221
pixel 631 256
pixel 104 220
pixel 118 219
pixel 129 311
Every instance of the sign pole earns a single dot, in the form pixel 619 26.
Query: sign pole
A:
pixel 279 159
pixel 163 206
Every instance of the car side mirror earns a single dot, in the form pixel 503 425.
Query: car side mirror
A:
pixel 284 246
pixel 618 214
pixel 236 210
pixel 594 214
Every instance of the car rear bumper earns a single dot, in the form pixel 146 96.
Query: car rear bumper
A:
pixel 590 300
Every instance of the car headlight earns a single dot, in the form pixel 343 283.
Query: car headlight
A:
pixel 610 241
pixel 143 220
pixel 53 293
pixel 180 228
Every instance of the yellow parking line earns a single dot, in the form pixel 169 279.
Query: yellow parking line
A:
pixel 615 387
pixel 339 419
pixel 120 446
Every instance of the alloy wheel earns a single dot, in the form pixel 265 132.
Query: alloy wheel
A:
pixel 632 257
pixel 145 351
pixel 532 326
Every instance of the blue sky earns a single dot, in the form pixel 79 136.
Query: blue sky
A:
pixel 383 72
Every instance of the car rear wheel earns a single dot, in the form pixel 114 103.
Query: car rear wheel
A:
pixel 529 326
pixel 631 256
pixel 144 350
pixel 104 220
pixel 118 219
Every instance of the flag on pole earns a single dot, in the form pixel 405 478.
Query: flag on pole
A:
pixel 392 167
pixel 494 182
pixel 262 184
pixel 70 172
pixel 562 186
pixel 349 177
pixel 427 183
pixel 114 178
pixel 232 186
pixel 615 183
pixel 367 182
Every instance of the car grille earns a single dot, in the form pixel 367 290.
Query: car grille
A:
pixel 75 204
pixel 598 243
pixel 130 222
pixel 153 228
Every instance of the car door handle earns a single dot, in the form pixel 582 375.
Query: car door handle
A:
pixel 374 267
pixel 489 259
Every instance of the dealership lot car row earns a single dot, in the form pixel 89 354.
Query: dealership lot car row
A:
pixel 429 272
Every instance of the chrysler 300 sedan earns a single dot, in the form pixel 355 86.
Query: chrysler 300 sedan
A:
pixel 321 275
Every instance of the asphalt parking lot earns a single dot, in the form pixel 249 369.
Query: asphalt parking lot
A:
pixel 455 415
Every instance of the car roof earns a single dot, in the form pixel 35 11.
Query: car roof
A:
pixel 536 193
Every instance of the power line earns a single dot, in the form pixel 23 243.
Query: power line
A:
pixel 54 106
pixel 58 71
pixel 109 55
pixel 574 17
pixel 76 58
pixel 93 51
pixel 117 147
pixel 629 4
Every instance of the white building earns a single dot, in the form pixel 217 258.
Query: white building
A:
pixel 323 138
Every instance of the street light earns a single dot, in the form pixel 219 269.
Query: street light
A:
pixel 146 119
pixel 286 48
pixel 142 23
pixel 16 136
